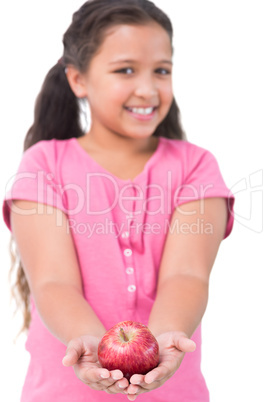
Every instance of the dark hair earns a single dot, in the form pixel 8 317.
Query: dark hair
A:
pixel 57 110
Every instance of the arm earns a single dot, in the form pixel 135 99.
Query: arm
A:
pixel 51 268
pixel 183 285
pixel 50 263
pixel 185 269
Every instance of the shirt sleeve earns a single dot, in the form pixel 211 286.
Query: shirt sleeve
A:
pixel 35 180
pixel 203 179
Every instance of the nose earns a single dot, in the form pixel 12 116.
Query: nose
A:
pixel 146 86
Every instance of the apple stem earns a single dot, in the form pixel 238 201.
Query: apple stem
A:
pixel 123 334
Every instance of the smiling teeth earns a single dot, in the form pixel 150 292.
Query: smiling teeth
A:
pixel 145 111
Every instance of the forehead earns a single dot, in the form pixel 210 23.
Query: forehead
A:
pixel 130 41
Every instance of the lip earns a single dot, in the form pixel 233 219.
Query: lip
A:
pixel 142 117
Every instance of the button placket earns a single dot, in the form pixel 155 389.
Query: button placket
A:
pixel 128 258
pixel 130 275
pixel 131 288
pixel 136 215
pixel 127 252
pixel 125 234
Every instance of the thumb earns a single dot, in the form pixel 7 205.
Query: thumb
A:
pixel 185 344
pixel 72 355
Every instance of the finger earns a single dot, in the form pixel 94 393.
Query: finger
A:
pixel 108 379
pixel 137 379
pixel 132 389
pixel 156 374
pixel 131 397
pixel 185 344
pixel 119 386
pixel 102 379
pixel 74 351
pixel 71 357
pixel 151 380
pixel 114 377
pixel 116 374
pixel 122 384
pixel 93 375
pixel 132 392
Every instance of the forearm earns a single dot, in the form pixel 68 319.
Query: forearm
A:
pixel 179 306
pixel 66 313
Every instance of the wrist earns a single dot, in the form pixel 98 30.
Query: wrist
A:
pixel 96 333
pixel 67 321
pixel 160 331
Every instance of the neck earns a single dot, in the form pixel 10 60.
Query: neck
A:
pixel 117 144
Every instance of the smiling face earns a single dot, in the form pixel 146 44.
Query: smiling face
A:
pixel 128 83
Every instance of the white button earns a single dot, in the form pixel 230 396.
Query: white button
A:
pixel 125 235
pixel 129 270
pixel 128 252
pixel 131 288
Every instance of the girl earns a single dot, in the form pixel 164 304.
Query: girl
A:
pixel 120 223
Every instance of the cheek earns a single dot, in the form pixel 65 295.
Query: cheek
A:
pixel 168 97
pixel 167 92
pixel 119 91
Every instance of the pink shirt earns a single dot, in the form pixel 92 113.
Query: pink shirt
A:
pixel 119 229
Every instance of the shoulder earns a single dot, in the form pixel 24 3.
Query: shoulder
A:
pixel 186 153
pixel 46 147
pixel 183 146
pixel 45 153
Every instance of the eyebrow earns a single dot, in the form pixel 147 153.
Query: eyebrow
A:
pixel 133 61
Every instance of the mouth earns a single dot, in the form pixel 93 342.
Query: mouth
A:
pixel 142 111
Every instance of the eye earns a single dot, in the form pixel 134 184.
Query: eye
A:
pixel 163 71
pixel 126 70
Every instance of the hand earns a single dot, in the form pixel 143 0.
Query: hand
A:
pixel 172 348
pixel 82 354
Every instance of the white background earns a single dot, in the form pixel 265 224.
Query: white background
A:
pixel 220 83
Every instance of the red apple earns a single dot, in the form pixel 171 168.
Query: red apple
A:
pixel 130 347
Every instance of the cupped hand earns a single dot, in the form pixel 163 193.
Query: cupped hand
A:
pixel 172 348
pixel 82 354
